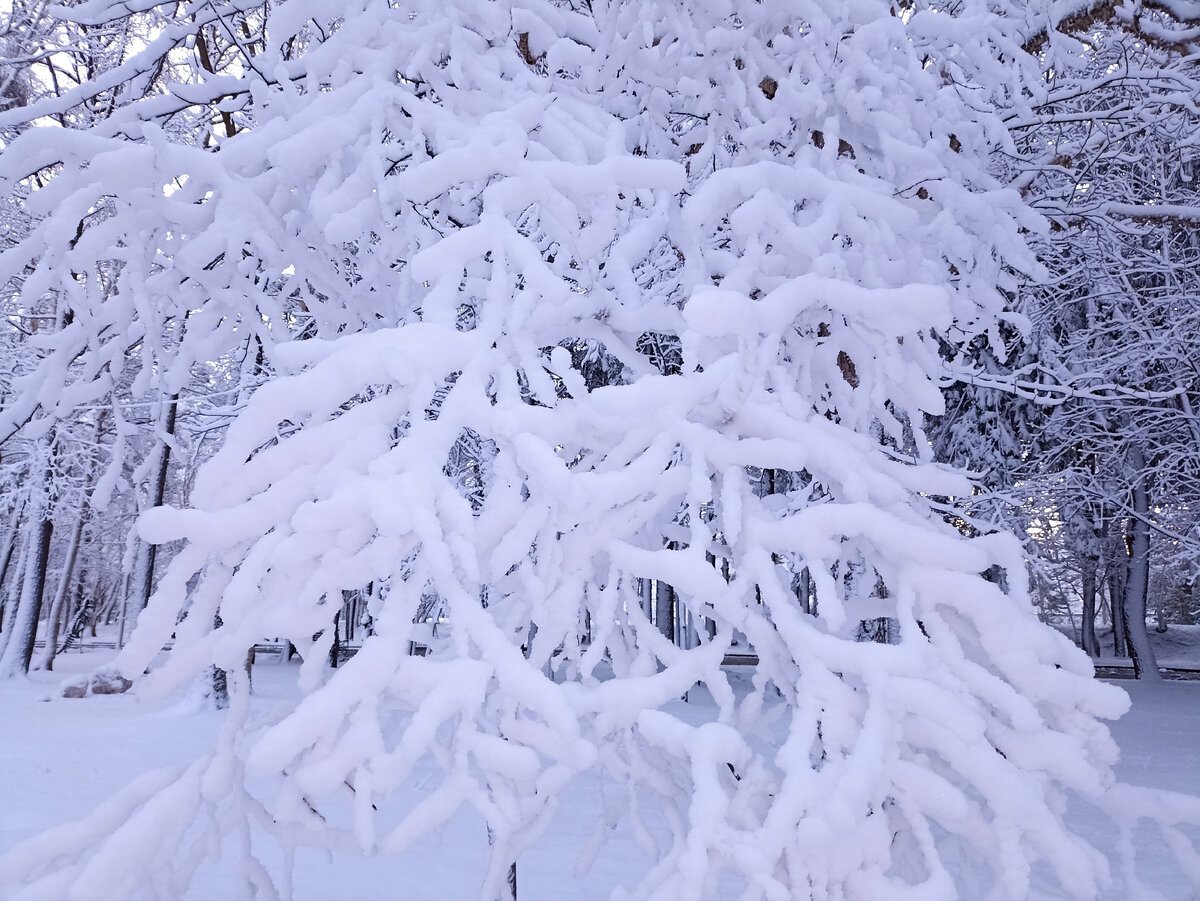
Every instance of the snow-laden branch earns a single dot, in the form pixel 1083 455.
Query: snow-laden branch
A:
pixel 1025 383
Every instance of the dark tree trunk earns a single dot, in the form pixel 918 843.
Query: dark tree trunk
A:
pixel 160 491
pixel 1088 627
pixel 334 646
pixel 664 610
pixel 1137 582
pixel 1116 593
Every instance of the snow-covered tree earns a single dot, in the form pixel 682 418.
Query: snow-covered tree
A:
pixel 1102 429
pixel 582 277
pixel 140 384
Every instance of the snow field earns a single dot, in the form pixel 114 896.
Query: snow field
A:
pixel 66 757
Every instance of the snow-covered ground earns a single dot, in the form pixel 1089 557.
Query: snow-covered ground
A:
pixel 62 757
pixel 1178 647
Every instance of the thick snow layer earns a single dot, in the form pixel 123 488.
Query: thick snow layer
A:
pixel 68 756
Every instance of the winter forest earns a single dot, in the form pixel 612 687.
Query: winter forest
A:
pixel 578 449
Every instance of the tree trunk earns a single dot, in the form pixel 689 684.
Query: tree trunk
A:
pixel 6 552
pixel 1116 594
pixel 145 561
pixel 160 490
pixel 82 613
pixel 19 650
pixel 79 609
pixel 1137 582
pixel 120 609
pixel 508 891
pixel 664 610
pixel 54 618
pixel 646 597
pixel 1088 627
pixel 12 599
pixel 220 679
pixel 804 589
pixel 220 688
pixel 333 647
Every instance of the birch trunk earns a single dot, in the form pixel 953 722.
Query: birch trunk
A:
pixel 18 652
pixel 12 597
